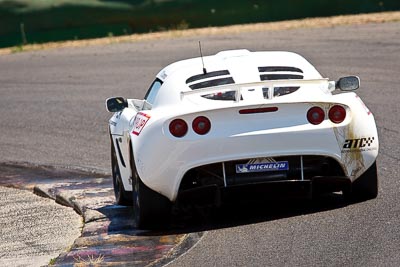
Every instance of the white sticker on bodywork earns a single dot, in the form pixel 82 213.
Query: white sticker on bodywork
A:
pixel 365 107
pixel 139 122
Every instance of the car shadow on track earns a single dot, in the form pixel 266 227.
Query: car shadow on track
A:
pixel 242 211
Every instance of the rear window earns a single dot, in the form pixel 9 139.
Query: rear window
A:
pixel 280 91
pixel 225 96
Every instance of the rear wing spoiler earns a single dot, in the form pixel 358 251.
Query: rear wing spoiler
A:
pixel 263 84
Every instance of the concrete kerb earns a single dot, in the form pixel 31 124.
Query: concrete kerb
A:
pixel 69 200
pixel 96 240
pixel 108 237
pixel 42 191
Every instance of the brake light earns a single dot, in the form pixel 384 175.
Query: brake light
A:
pixel 258 110
pixel 178 127
pixel 315 115
pixel 201 125
pixel 337 114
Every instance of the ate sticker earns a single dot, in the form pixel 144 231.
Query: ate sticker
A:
pixel 139 123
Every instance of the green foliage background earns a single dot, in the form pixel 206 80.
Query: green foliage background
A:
pixel 54 20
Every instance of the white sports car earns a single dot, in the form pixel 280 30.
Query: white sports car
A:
pixel 240 120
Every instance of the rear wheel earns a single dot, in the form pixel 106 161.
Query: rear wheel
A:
pixel 122 197
pixel 366 186
pixel 151 210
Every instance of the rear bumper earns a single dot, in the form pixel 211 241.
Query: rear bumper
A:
pixel 289 189
pixel 163 169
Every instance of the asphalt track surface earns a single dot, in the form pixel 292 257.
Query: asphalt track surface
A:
pixel 52 106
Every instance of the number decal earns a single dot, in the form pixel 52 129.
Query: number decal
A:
pixel 139 123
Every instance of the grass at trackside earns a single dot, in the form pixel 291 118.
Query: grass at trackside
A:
pixel 41 21
pixel 234 29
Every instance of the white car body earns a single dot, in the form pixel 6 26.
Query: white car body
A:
pixel 257 126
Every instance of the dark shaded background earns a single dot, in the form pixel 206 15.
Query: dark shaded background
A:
pixel 31 21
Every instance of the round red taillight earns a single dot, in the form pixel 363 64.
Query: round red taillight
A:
pixel 178 127
pixel 337 114
pixel 201 125
pixel 315 115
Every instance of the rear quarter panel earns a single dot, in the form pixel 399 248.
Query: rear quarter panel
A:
pixel 358 141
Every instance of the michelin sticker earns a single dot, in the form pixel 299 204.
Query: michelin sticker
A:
pixel 262 167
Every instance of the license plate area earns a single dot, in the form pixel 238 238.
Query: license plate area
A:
pixel 261 170
pixel 262 167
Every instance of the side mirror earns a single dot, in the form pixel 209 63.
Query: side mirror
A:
pixel 116 104
pixel 349 83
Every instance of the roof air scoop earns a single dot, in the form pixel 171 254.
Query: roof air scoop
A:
pixel 233 53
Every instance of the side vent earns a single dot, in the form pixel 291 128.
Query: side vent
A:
pixel 280 73
pixel 210 79
pixel 207 75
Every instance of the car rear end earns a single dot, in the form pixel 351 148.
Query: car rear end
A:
pixel 280 143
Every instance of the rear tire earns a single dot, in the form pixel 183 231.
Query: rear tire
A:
pixel 122 197
pixel 366 186
pixel 151 210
